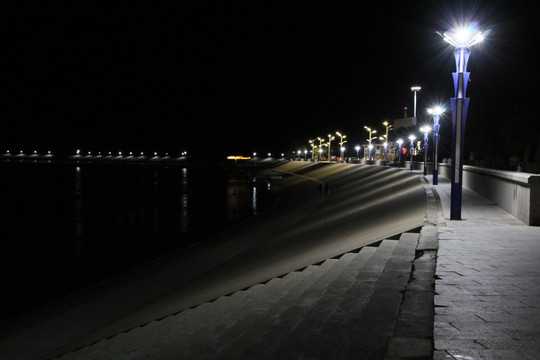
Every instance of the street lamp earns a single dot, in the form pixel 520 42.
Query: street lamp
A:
pixel 321 143
pixel 436 112
pixel 312 143
pixel 305 154
pixel 462 39
pixel 330 138
pixel 388 127
pixel 357 148
pixel 341 142
pixel 371 132
pixel 425 129
pixel 370 146
pixel 412 138
pixel 415 89
pixel 399 142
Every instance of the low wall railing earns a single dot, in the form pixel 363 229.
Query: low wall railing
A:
pixel 516 192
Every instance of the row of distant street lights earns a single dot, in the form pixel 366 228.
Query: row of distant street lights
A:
pixel 462 39
pixel 322 143
pixel 79 153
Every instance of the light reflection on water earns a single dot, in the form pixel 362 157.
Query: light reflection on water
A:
pixel 69 226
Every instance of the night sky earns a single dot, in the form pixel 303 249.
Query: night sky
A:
pixel 217 78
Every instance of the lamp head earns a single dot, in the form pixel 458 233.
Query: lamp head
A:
pixel 437 110
pixel 464 36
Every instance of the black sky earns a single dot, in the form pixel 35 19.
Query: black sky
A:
pixel 238 77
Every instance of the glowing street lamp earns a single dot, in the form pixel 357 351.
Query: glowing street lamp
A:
pixel 321 143
pixel 312 143
pixel 399 142
pixel 305 155
pixel 411 139
pixel 341 142
pixel 426 130
pixel 371 132
pixel 330 138
pixel 388 127
pixel 357 148
pixel 415 89
pixel 462 39
pixel 436 112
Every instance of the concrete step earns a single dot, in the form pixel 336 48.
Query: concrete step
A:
pixel 375 324
pixel 208 337
pixel 182 334
pixel 255 326
pixel 216 343
pixel 345 297
pixel 284 318
pixel 275 333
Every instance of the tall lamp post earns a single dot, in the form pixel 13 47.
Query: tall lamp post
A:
pixel 462 39
pixel 436 112
pixel 425 129
pixel 388 127
pixel 321 143
pixel 341 142
pixel 415 89
pixel 371 132
pixel 399 142
pixel 411 139
pixel 330 138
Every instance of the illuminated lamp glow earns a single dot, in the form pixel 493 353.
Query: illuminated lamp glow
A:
pixel 437 110
pixel 464 36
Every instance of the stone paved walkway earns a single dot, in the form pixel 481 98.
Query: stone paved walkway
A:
pixel 487 302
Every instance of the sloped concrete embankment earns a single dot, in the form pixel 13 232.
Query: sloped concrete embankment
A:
pixel 363 205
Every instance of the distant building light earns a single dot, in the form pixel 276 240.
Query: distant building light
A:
pixel 238 157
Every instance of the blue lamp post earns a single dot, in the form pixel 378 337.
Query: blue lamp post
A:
pixel 436 112
pixel 425 129
pixel 399 142
pixel 462 39
pixel 412 138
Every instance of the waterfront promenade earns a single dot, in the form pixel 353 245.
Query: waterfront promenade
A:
pixel 446 289
pixel 487 302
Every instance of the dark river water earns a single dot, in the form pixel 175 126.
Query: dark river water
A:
pixel 66 226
